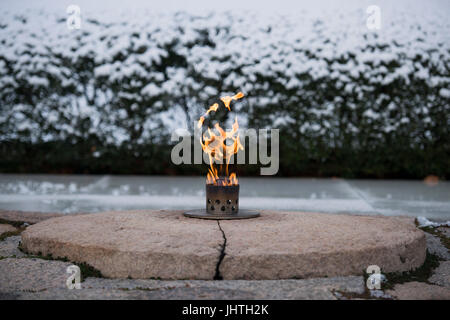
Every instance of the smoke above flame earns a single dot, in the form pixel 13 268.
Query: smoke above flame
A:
pixel 214 144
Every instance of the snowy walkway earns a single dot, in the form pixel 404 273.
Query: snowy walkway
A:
pixel 89 193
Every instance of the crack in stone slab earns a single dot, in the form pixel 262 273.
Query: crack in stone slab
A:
pixel 218 276
pixel 158 243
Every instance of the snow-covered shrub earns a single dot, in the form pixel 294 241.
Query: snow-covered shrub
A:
pixel 348 100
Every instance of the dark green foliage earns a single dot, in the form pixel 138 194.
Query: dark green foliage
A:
pixel 325 128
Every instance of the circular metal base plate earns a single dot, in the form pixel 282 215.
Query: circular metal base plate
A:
pixel 202 214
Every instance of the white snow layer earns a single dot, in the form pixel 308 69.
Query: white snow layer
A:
pixel 125 50
pixel 424 222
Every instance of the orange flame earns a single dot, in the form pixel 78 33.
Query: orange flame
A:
pixel 214 144
pixel 227 99
pixel 214 108
pixel 212 176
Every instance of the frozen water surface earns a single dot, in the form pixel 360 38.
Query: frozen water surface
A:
pixel 89 193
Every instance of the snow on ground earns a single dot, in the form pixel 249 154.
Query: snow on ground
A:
pixel 424 222
pixel 89 193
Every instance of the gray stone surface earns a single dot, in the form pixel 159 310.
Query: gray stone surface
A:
pixel 318 288
pixel 25 216
pixel 282 245
pixel 6 228
pixel 27 278
pixel 203 293
pixel 380 294
pixel 435 246
pixel 42 279
pixel 31 278
pixel 136 244
pixel 167 245
pixel 441 275
pixel 445 231
pixel 419 291
pixel 9 247
pixel 30 274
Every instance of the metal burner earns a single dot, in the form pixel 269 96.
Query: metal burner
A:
pixel 222 202
pixel 222 199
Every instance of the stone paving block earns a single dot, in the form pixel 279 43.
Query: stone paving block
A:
pixel 441 275
pixel 419 291
pixel 278 245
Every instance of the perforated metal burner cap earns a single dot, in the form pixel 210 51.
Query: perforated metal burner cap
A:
pixel 222 199
pixel 222 203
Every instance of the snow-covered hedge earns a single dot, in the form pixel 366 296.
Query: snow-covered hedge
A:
pixel 348 100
